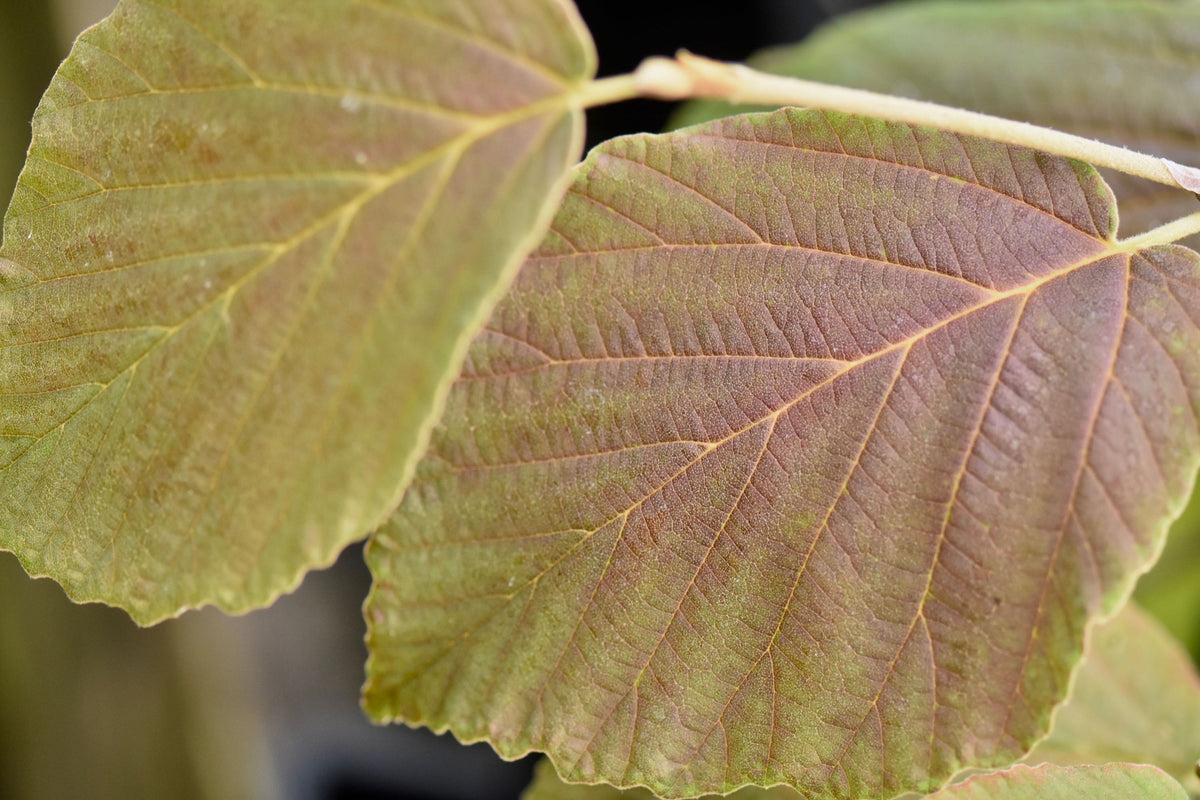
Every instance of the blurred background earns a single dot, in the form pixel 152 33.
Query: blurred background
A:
pixel 266 705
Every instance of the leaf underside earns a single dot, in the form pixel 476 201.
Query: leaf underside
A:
pixel 1122 71
pixel 802 451
pixel 250 246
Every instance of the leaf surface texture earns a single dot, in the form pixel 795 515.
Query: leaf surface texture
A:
pixel 250 246
pixel 803 451
pixel 548 786
pixel 1045 782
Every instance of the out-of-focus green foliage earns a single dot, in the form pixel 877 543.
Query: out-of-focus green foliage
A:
pixel 91 706
pixel 1171 591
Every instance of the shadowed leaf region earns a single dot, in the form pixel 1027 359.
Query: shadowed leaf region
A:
pixel 246 256
pixel 803 451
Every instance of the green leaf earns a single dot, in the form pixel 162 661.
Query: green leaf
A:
pixel 1171 591
pixel 1115 70
pixel 1050 782
pixel 245 259
pixel 1136 698
pixel 802 451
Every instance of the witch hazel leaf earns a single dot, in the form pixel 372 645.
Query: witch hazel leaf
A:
pixel 802 452
pixel 1046 782
pixel 244 261
pixel 1135 699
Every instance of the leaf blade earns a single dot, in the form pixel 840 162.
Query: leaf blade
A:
pixel 1134 700
pixel 254 242
pixel 767 383
pixel 1045 782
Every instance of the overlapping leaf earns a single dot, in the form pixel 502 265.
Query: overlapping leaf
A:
pixel 1123 71
pixel 1048 782
pixel 249 249
pixel 1136 699
pixel 802 452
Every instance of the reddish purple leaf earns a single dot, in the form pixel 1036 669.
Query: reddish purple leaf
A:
pixel 803 451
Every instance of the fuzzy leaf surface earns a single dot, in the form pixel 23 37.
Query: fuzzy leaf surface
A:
pixel 1122 71
pixel 248 251
pixel 802 452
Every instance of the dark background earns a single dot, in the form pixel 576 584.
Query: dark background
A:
pixel 626 31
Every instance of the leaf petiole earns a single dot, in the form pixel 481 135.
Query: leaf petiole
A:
pixel 603 91
pixel 689 76
pixel 1164 234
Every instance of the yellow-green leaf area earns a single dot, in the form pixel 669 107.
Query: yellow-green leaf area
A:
pixel 1136 698
pixel 803 451
pixel 1050 782
pixel 250 245
pixel 1046 782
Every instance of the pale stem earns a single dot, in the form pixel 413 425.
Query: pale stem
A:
pixel 1163 234
pixel 608 90
pixel 690 76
